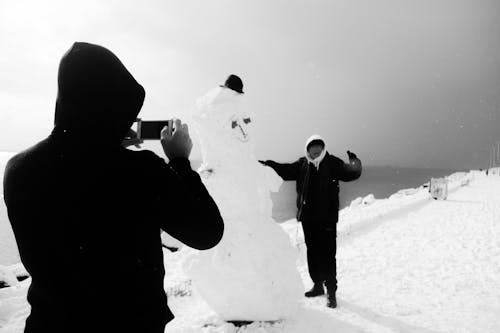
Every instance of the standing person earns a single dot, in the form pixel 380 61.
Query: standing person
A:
pixel 87 213
pixel 318 175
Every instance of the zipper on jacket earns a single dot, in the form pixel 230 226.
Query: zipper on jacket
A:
pixel 303 194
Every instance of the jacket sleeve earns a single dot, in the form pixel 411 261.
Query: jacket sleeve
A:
pixel 287 171
pixel 186 210
pixel 347 172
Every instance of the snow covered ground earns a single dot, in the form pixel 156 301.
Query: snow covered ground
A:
pixel 8 248
pixel 407 263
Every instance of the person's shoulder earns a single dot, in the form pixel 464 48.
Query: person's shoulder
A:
pixel 15 162
pixel 27 157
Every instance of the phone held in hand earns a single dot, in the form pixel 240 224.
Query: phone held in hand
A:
pixel 150 129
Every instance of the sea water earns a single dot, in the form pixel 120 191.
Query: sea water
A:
pixel 376 180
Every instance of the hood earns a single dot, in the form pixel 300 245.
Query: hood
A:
pixel 320 158
pixel 98 99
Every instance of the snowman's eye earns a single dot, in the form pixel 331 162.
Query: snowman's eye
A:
pixel 234 124
pixel 247 120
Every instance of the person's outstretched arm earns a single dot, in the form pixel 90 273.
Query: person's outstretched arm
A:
pixel 287 171
pixel 350 171
pixel 192 216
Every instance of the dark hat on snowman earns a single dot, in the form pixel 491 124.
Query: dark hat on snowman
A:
pixel 234 82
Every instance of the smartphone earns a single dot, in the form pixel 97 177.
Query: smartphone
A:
pixel 150 129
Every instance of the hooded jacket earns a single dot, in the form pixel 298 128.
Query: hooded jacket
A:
pixel 87 213
pixel 318 186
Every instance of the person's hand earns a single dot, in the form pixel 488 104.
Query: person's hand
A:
pixel 175 140
pixel 131 140
pixel 351 156
pixel 263 162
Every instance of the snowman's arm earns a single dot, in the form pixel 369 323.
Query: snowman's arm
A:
pixel 185 209
pixel 287 171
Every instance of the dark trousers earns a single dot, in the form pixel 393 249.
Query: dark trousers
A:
pixel 321 250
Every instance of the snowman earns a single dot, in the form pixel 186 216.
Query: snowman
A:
pixel 251 275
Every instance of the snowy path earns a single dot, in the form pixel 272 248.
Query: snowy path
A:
pixel 405 264
pixel 434 268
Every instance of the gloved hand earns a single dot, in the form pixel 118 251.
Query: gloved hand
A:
pixel 351 155
pixel 263 162
pixel 175 140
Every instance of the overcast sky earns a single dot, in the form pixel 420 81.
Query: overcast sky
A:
pixel 406 83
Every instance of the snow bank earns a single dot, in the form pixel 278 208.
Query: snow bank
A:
pixel 362 201
pixel 14 307
pixel 494 171
pixel 7 276
pixel 8 248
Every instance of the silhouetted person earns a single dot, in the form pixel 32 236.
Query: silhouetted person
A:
pixel 318 175
pixel 87 213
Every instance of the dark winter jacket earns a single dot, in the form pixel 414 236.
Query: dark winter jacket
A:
pixel 318 189
pixel 87 213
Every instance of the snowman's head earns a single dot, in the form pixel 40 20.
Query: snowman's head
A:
pixel 223 126
pixel 221 112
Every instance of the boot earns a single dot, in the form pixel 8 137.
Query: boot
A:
pixel 316 290
pixel 331 301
